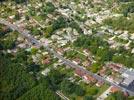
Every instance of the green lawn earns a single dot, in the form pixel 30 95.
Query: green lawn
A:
pixel 102 89
pixel 89 87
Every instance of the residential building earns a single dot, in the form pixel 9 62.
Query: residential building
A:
pixel 79 72
pixel 114 89
pixel 89 79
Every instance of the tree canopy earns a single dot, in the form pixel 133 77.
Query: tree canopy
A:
pixel 116 96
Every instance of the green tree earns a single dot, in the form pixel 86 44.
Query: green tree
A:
pixel 67 87
pixel 79 91
pixel 20 1
pixel 27 17
pixel 95 67
pixel 125 13
pixel 55 78
pixel 49 8
pixel 61 22
pixel 117 96
pixel 17 16
pixel 74 25
pixel 40 92
pixel 93 91
pixel 14 77
pixel 88 98
pixel 48 31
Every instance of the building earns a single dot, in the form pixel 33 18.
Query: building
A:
pixel 79 72
pixel 115 67
pixel 114 89
pixel 102 72
pixel 46 60
pixel 99 83
pixel 77 61
pixel 118 80
pixel 60 51
pixel 86 63
pixel 128 76
pixel 45 72
pixel 89 79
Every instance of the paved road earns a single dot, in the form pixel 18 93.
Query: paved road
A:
pixel 26 34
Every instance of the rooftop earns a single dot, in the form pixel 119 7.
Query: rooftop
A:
pixel 129 77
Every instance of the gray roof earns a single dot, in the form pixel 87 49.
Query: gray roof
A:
pixel 130 73
pixel 129 77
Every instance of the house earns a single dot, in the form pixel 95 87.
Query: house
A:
pixel 79 72
pixel 12 17
pixel 117 32
pixel 44 53
pixel 62 42
pixel 132 36
pixel 64 12
pixel 60 51
pixel 126 94
pixel 110 78
pixel 36 58
pixel 46 61
pixel 97 1
pixel 77 61
pixel 118 80
pixel 45 41
pixel 20 39
pixel 86 51
pixel 110 31
pixel 86 63
pixel 115 67
pixel 45 72
pixel 53 37
pixel 115 45
pixel 99 83
pixel 132 51
pixel 50 16
pixel 124 35
pixel 89 78
pixel 114 89
pixel 102 71
pixel 10 20
pixel 22 45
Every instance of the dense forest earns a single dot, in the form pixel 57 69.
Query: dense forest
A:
pixel 18 83
pixel 18 74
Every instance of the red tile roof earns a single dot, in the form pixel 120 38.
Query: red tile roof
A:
pixel 114 89
pixel 85 76
pixel 89 78
pixel 114 67
pixel 126 94
pixel 79 72
pixel 46 61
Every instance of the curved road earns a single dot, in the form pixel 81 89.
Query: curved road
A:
pixel 26 34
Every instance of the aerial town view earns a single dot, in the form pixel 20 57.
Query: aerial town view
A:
pixel 66 49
